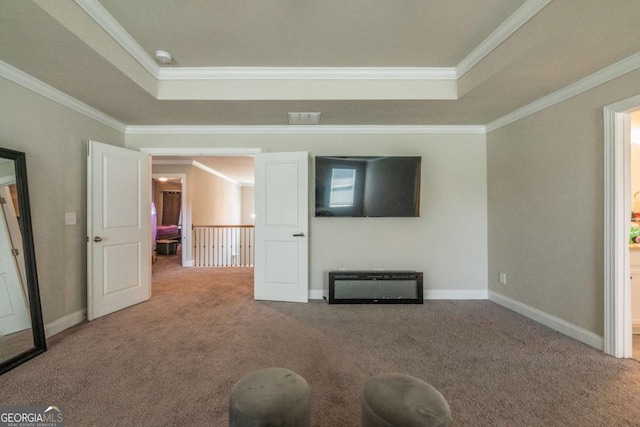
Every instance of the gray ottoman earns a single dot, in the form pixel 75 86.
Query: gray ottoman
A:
pixel 402 400
pixel 270 397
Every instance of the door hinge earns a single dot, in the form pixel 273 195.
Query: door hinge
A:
pixel 3 201
pixel 15 252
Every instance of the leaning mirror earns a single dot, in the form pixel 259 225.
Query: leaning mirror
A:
pixel 21 328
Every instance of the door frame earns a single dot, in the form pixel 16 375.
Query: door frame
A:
pixel 192 152
pixel 185 237
pixel 617 206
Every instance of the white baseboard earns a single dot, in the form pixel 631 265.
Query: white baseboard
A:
pixel 550 321
pixel 316 294
pixel 427 294
pixel 455 294
pixel 66 322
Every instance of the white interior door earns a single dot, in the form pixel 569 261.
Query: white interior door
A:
pixel 119 229
pixel 15 236
pixel 14 316
pixel 281 227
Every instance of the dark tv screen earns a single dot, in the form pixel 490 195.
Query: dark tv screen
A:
pixel 368 186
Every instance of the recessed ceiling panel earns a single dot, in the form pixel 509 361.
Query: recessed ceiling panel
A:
pixel 564 42
pixel 328 33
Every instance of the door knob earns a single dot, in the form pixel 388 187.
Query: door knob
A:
pixel 298 235
pixel 97 239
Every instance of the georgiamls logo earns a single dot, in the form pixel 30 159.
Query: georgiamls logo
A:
pixel 32 416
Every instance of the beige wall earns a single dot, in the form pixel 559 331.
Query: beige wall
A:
pixel 448 242
pixel 54 140
pixel 215 201
pixel 545 206
pixel 210 200
pixel 247 206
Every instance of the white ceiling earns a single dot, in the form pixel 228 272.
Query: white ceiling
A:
pixel 359 62
pixel 327 33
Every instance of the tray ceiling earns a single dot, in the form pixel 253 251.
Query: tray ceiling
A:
pixel 359 62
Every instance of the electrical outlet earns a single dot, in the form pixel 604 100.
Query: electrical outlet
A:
pixel 503 278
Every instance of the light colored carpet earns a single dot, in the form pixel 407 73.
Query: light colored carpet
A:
pixel 173 360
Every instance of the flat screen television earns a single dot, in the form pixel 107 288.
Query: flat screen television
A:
pixel 368 186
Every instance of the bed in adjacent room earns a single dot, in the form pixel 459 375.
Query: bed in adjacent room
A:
pixel 168 232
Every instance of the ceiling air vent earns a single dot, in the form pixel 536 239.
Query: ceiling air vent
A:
pixel 304 118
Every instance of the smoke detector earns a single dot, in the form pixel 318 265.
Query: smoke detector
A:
pixel 163 57
pixel 304 118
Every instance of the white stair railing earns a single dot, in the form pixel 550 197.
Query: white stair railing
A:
pixel 223 245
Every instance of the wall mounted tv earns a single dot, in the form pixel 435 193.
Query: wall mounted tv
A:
pixel 368 186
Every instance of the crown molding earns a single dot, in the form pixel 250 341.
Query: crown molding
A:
pixel 618 69
pixel 23 79
pixel 609 73
pixel 307 73
pixel 303 129
pixel 520 17
pixel 108 23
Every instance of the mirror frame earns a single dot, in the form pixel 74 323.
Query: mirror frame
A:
pixel 37 326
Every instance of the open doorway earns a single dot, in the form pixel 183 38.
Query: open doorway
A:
pixel 634 237
pixel 618 208
pixel 168 221
pixel 282 180
pixel 216 228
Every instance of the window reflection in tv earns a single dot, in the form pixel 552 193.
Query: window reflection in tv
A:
pixel 368 186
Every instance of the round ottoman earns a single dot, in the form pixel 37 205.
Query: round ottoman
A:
pixel 402 400
pixel 270 397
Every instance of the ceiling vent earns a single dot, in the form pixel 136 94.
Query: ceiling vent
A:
pixel 304 118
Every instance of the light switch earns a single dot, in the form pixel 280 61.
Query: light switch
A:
pixel 70 218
